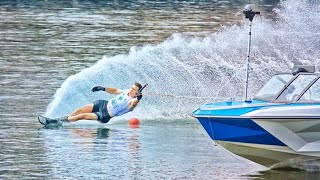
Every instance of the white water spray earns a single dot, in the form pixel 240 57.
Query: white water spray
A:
pixel 212 66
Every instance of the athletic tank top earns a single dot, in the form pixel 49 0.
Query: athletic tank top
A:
pixel 120 104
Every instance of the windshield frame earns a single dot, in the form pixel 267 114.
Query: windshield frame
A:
pixel 276 93
pixel 300 93
pixel 275 98
pixel 316 79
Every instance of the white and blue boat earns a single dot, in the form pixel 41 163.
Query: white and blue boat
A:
pixel 280 125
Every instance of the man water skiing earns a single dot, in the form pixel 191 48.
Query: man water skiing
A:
pixel 102 110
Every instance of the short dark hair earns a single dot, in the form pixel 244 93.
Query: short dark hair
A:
pixel 138 85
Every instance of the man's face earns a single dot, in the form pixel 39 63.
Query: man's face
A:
pixel 133 91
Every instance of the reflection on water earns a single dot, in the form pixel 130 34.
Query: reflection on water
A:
pixel 100 133
pixel 42 43
pixel 156 150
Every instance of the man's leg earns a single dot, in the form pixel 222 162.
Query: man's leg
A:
pixel 85 109
pixel 89 116
pixel 86 116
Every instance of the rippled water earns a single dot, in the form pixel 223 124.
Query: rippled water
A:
pixel 42 43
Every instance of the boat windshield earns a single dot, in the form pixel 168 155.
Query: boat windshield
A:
pixel 296 87
pixel 312 95
pixel 273 87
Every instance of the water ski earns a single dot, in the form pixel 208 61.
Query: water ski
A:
pixel 47 121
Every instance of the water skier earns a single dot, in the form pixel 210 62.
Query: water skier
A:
pixel 102 110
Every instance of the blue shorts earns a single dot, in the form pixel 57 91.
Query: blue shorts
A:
pixel 100 109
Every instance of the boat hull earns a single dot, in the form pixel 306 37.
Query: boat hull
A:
pixel 237 130
pixel 274 143
pixel 271 156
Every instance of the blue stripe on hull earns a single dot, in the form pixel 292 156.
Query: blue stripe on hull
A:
pixel 237 130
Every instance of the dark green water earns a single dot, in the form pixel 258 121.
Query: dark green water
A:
pixel 42 43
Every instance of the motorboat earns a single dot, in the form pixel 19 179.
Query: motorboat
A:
pixel 279 126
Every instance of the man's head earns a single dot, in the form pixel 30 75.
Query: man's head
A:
pixel 138 85
pixel 135 89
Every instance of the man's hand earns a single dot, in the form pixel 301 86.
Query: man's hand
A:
pixel 98 88
pixel 139 96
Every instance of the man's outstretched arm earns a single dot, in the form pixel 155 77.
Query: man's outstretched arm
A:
pixel 107 89
pixel 113 90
